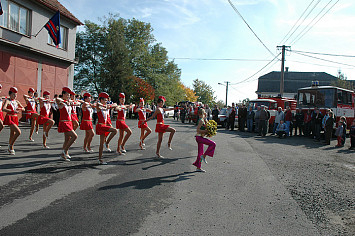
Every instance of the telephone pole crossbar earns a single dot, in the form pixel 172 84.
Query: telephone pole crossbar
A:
pixel 283 48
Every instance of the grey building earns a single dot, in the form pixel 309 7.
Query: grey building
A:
pixel 269 84
pixel 28 61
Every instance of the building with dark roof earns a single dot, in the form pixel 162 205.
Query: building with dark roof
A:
pixel 269 84
pixel 27 61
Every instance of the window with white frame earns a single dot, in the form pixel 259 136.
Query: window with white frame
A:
pixel 63 38
pixel 15 17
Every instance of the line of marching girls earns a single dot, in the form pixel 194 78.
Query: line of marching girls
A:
pixel 69 122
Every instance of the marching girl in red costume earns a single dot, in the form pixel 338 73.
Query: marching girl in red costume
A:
pixel 142 124
pixel 65 123
pixel 74 116
pixel 11 107
pixel 86 122
pixel 1 113
pixel 121 124
pixel 43 119
pixel 104 126
pixel 161 128
pixel 31 110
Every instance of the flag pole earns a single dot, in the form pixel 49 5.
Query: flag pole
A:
pixel 38 32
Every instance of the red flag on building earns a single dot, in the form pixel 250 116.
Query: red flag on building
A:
pixel 53 27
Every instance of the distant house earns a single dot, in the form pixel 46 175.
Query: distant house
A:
pixel 28 61
pixel 269 84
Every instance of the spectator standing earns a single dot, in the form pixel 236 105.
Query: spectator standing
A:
pixel 208 112
pixel 339 133
pixel 176 110
pixel 215 113
pixel 299 118
pixel 250 119
pixel 94 113
pixel 288 120
pixel 280 115
pixel 352 136
pixel 183 113
pixel 281 129
pixel 242 116
pixel 257 119
pixel 228 111
pixel 232 116
pixel 263 121
pixel 318 118
pixel 55 111
pixel 307 123
pixel 328 127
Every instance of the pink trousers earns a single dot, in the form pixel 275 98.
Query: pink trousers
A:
pixel 209 152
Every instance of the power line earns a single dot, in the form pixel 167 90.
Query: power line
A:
pixel 258 70
pixel 303 21
pixel 236 10
pixel 295 40
pixel 324 59
pixel 325 54
pixel 217 59
pixel 296 22
pixel 308 63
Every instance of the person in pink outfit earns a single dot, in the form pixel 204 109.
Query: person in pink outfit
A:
pixel 201 140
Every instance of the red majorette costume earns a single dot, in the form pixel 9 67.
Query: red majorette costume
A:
pixel 65 122
pixel 142 124
pixel 86 122
pixel 1 104
pixel 31 106
pixel 104 121
pixel 160 126
pixel 45 110
pixel 121 116
pixel 11 118
pixel 74 116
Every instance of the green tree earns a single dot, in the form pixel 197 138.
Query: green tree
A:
pixel 342 82
pixel 204 92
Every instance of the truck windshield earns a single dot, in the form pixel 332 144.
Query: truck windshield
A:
pixel 270 105
pixel 316 98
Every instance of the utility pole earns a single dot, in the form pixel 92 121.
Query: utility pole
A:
pixel 283 48
pixel 227 83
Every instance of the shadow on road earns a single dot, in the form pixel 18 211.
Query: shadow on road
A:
pixel 58 169
pixel 150 182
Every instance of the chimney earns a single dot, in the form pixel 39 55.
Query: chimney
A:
pixel 286 69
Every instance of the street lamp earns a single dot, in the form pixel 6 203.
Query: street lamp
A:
pixel 227 83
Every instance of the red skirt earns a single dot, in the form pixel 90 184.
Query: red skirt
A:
pixel 121 124
pixel 1 116
pixel 11 120
pixel 86 125
pixel 65 126
pixel 43 119
pixel 29 115
pixel 161 128
pixel 142 125
pixel 102 129
pixel 74 117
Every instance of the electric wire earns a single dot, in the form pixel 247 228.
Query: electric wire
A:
pixel 296 40
pixel 296 22
pixel 308 63
pixel 324 59
pixel 240 15
pixel 217 59
pixel 303 20
pixel 325 54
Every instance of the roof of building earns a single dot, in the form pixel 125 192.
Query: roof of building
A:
pixel 292 81
pixel 55 6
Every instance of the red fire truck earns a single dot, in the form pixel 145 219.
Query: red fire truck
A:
pixel 340 100
pixel 273 103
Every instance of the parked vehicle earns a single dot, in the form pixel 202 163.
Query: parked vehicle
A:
pixel 223 119
pixel 168 114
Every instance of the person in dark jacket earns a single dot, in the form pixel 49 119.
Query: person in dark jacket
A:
pixel 299 117
pixel 215 113
pixel 250 119
pixel 242 117
pixel 307 123
pixel 232 114
pixel 328 128
pixel 263 119
pixel 288 120
pixel 317 118
pixel 352 136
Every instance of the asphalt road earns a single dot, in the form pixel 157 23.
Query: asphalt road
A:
pixel 253 186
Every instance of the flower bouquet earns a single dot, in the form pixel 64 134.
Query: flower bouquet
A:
pixel 211 128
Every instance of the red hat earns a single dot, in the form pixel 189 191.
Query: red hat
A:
pixel 0 86
pixel 68 90
pixel 104 95
pixel 162 98
pixel 13 89
pixel 141 100
pixel 122 95
pixel 45 93
pixel 87 95
pixel 32 90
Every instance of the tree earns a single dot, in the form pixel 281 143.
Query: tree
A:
pixel 342 82
pixel 189 95
pixel 141 89
pixel 204 92
pixel 219 103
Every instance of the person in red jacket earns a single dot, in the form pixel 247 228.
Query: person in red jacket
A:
pixel 43 119
pixel 74 116
pixel 121 125
pixel 288 120
pixel 142 124
pixel 86 122
pixel 104 126
pixel 31 110
pixel 1 113
pixel 65 123
pixel 12 107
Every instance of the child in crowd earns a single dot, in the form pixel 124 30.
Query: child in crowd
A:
pixel 340 134
pixel 281 129
pixel 352 136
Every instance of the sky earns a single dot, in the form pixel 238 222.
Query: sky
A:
pixel 211 29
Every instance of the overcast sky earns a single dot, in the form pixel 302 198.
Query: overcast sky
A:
pixel 211 29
